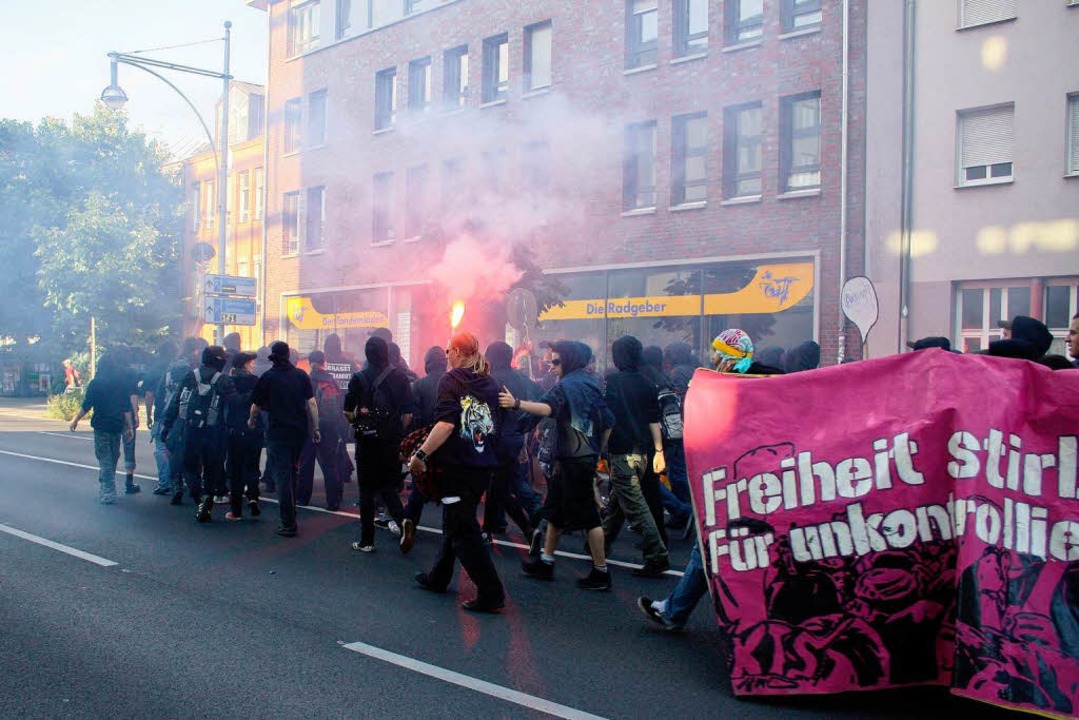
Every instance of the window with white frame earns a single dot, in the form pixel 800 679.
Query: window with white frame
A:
pixel 1073 133
pixel 343 20
pixel 293 125
pixel 316 119
pixel 290 223
pixel 538 56
pixel 742 151
pixel 985 145
pixel 315 218
pixel 455 77
pixel 417 200
pixel 382 230
pixel 983 12
pixel 245 196
pixel 689 158
pixel 800 128
pixel 744 21
pixel 800 14
pixel 642 32
pixel 982 307
pixel 639 167
pixel 690 27
pixel 1061 305
pixel 385 98
pixel 303 22
pixel 496 68
pixel 419 85
pixel 260 190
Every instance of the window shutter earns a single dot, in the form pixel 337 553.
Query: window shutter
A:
pixel 1073 134
pixel 978 12
pixel 987 137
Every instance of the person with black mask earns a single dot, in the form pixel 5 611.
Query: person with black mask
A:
pixel 635 446
pixel 245 444
pixel 200 406
pixel 461 446
pixel 804 357
pixel 379 406
pixel 424 396
pixel 576 403
pixel 341 366
pixel 329 398
pixel 503 494
pixel 285 393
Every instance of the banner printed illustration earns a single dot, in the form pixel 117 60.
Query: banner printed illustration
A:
pixel 908 520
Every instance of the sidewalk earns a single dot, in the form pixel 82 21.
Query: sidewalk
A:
pixel 28 407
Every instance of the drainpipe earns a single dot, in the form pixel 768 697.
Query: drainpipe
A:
pixel 906 220
pixel 844 125
pixel 265 182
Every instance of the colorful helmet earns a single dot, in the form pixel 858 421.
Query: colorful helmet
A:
pixel 735 345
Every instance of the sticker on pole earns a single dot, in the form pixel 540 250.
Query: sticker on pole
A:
pixel 860 304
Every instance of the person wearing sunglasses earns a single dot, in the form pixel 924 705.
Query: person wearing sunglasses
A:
pixel 577 405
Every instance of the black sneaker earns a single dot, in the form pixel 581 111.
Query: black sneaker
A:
pixel 653 569
pixel 408 535
pixel 483 606
pixel 538 569
pixel 596 580
pixel 382 520
pixel 132 489
pixel 203 514
pixel 284 531
pixel 424 581
pixel 535 543
pixel 177 498
pixel 253 508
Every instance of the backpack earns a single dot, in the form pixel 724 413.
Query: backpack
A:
pixel 170 382
pixel 328 398
pixel 200 407
pixel 426 483
pixel 670 414
pixel 381 422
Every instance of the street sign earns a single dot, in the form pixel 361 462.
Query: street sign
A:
pixel 229 285
pixel 228 311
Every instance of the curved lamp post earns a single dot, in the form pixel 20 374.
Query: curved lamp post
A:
pixel 114 98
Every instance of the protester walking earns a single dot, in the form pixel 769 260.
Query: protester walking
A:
pixel 379 406
pixel 244 443
pixel 173 443
pixel 155 408
pixel 461 449
pixel 330 402
pixel 108 395
pixel 576 403
pixel 285 393
pixel 424 397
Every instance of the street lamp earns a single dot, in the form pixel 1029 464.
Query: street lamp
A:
pixel 114 98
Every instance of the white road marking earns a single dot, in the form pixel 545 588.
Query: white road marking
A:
pixel 90 557
pixel 350 516
pixel 69 435
pixel 482 686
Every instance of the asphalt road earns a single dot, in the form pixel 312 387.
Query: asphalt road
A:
pixel 229 620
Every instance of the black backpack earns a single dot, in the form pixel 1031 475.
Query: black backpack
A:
pixel 170 381
pixel 200 406
pixel 382 421
pixel 670 414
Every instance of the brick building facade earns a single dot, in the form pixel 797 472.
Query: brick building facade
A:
pixel 675 164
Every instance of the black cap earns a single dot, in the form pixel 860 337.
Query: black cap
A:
pixel 279 350
pixel 933 341
pixel 316 357
pixel 242 358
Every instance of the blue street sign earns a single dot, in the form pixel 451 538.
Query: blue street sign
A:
pixel 228 311
pixel 229 285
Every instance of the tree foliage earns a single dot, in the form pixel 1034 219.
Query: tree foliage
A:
pixel 92 229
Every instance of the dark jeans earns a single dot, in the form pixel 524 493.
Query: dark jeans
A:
pixel 461 539
pixel 500 497
pixel 204 461
pixel 379 469
pixel 651 489
pixel 242 467
pixel 414 506
pixel 326 452
pixel 282 468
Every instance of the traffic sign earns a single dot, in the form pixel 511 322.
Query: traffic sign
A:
pixel 229 285
pixel 228 311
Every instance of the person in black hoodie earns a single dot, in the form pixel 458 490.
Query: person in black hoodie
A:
pixel 462 446
pixel 424 396
pixel 581 417
pixel 379 403
pixel 635 443
pixel 206 438
pixel 502 495
pixel 245 444
pixel 330 417
pixel 804 357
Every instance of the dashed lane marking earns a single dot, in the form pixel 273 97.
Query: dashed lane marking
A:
pixel 74 552
pixel 482 686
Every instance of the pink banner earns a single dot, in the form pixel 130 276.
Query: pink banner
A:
pixel 903 521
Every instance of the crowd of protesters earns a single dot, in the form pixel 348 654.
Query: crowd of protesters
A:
pixel 473 429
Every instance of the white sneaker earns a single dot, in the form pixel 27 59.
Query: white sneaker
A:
pixel 394 528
